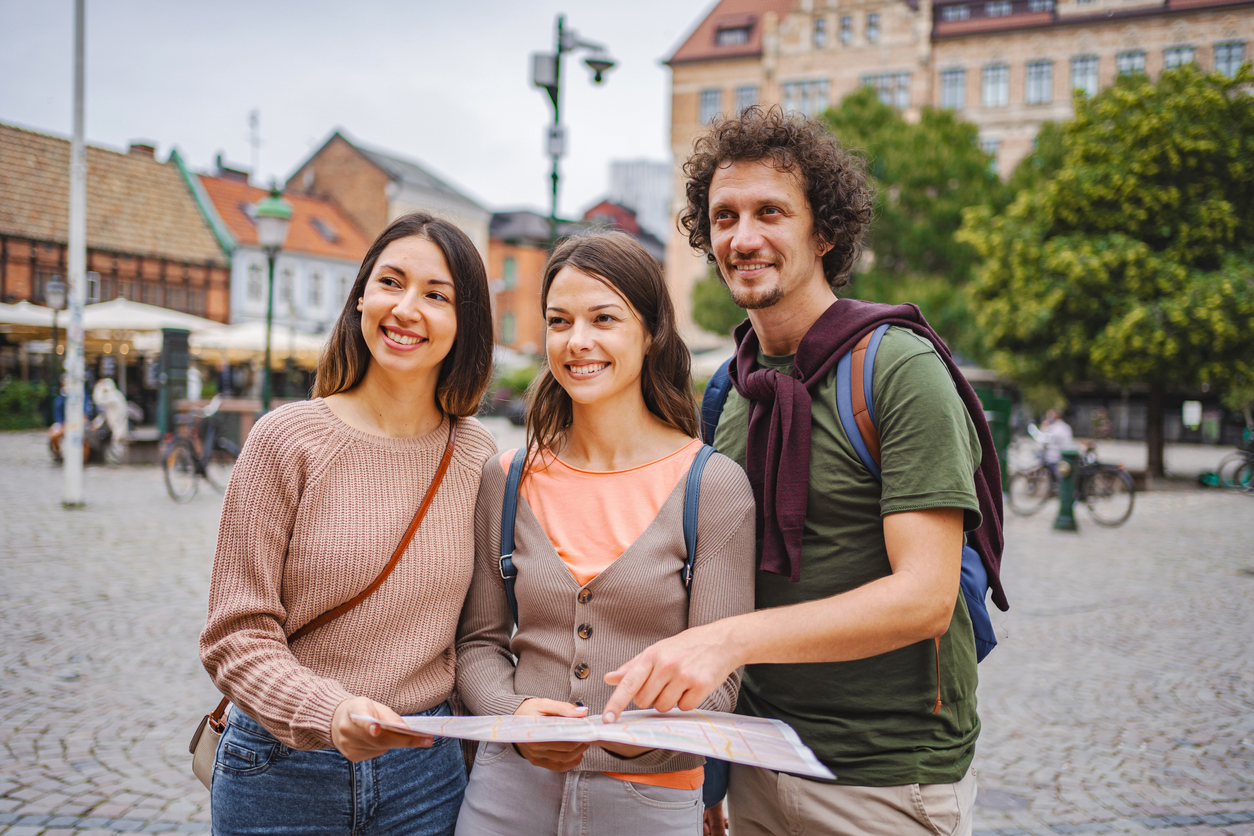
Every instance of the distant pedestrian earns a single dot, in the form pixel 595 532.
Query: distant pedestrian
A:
pixel 599 551
pixel 1056 436
pixel 320 498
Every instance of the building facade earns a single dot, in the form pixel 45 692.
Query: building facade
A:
pixel 375 187
pixel 1006 65
pixel 313 273
pixel 146 240
pixel 644 186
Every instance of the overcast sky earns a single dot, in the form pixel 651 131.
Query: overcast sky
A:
pixel 444 83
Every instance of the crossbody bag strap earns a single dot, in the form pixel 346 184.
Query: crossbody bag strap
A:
pixel 509 513
pixel 215 717
pixel 692 506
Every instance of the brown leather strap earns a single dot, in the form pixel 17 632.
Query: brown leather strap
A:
pixel 861 416
pixel 331 615
pixel 214 718
pixel 936 708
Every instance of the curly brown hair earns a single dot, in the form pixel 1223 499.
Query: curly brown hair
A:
pixel 834 179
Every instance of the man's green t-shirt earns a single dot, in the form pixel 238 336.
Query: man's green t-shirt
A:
pixel 870 721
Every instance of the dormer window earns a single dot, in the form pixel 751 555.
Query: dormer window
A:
pixel 327 231
pixel 732 35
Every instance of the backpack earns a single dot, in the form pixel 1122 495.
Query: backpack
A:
pixel 856 410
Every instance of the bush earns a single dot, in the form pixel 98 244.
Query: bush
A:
pixel 21 405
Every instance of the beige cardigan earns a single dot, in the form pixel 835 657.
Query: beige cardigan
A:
pixel 635 602
pixel 313 513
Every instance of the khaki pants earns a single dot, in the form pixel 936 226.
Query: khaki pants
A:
pixel 766 803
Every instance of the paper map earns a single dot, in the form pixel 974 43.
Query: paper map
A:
pixel 731 737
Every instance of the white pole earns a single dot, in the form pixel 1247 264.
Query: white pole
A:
pixel 72 446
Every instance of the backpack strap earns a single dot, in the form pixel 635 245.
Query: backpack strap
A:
pixel 713 400
pixel 509 512
pixel 692 504
pixel 854 402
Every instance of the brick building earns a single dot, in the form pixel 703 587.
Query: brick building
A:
pixel 146 240
pixel 1005 65
pixel 374 187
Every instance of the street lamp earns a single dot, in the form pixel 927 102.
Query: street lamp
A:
pixel 54 296
pixel 546 72
pixel 272 217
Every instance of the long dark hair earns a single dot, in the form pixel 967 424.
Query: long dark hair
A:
pixel 665 378
pixel 466 371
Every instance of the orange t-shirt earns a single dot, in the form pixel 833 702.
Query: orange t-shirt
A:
pixel 591 517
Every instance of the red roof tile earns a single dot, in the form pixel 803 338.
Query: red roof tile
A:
pixel 318 226
pixel 729 14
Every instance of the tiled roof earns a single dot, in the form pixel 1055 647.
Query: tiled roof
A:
pixel 135 205
pixel 730 14
pixel 413 174
pixel 318 226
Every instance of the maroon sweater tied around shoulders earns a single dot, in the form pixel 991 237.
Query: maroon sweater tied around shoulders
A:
pixel 777 451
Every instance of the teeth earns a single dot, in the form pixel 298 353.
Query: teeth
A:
pixel 590 369
pixel 400 338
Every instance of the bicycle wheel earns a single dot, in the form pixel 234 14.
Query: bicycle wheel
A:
pixel 179 463
pixel 1243 478
pixel 218 468
pixel 1229 465
pixel 1108 492
pixel 1029 490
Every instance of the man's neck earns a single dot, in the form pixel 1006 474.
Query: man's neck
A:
pixel 781 327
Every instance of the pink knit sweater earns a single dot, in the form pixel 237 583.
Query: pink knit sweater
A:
pixel 314 511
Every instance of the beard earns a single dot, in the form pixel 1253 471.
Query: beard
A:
pixel 751 300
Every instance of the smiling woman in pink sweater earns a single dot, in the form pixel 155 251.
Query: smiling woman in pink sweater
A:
pixel 319 500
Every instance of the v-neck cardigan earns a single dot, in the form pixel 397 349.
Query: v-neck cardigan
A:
pixel 569 636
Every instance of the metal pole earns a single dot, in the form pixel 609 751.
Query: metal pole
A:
pixel 557 122
pixel 1067 469
pixel 56 358
pixel 72 445
pixel 265 377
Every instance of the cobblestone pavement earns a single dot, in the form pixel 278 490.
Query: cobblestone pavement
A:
pixel 1121 699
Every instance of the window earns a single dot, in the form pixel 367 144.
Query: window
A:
pixel 846 29
pixel 872 28
pixel 254 281
pixel 344 286
pixel 954 89
pixel 1177 56
pixel 286 284
pixel 1040 88
pixel 731 35
pixel 746 96
pixel 710 101
pixel 1128 63
pixel 997 8
pixel 325 230
pixel 893 88
pixel 951 13
pixel 807 97
pixel 1038 6
pixel 1084 74
pixel 509 273
pixel 995 85
pixel 315 290
pixel 991 147
pixel 507 328
pixel 1228 58
pixel 820 32
pixel 93 287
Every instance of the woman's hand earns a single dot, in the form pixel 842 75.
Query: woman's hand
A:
pixel 559 756
pixel 714 822
pixel 361 741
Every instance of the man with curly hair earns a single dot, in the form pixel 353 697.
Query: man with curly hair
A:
pixel 861 641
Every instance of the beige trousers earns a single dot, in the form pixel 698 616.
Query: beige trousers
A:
pixel 766 803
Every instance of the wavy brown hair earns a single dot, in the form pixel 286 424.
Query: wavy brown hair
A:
pixel 619 261
pixel 834 179
pixel 466 371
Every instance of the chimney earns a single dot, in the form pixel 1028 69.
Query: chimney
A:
pixel 143 149
pixel 226 172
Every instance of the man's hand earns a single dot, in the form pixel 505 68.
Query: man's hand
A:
pixel 557 755
pixel 361 741
pixel 679 671
pixel 714 822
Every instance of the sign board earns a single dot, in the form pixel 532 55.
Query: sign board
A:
pixel 555 140
pixel 1191 414
pixel 543 70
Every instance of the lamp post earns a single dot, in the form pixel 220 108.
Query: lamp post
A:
pixel 273 215
pixel 546 72
pixel 54 296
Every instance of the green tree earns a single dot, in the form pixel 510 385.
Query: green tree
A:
pixel 712 306
pixel 1131 258
pixel 926 174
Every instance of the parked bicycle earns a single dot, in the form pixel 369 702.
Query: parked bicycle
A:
pixel 202 452
pixel 1236 470
pixel 1106 490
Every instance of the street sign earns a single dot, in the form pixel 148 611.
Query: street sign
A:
pixel 543 69
pixel 555 140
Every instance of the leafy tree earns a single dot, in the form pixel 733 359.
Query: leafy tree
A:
pixel 712 306
pixel 926 174
pixel 1130 259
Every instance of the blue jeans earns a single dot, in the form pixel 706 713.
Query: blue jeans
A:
pixel 261 786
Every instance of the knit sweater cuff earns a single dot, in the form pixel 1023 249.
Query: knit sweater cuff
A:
pixel 311 720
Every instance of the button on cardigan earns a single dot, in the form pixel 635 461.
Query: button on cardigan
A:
pixel 570 636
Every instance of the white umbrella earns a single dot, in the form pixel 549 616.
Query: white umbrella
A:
pixel 125 315
pixel 26 314
pixel 247 340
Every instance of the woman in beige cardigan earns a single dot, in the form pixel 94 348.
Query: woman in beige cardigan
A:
pixel 318 502
pixel 612 431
